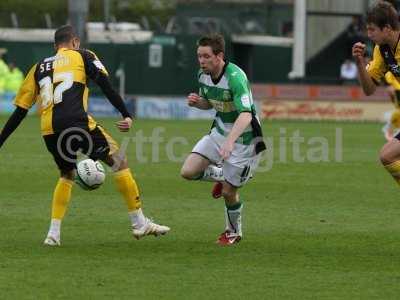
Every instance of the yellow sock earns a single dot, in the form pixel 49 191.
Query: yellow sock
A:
pixel 128 188
pixel 62 194
pixel 394 170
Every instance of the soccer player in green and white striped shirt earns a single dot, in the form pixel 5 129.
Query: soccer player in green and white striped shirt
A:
pixel 231 151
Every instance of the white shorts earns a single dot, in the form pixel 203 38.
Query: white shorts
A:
pixel 238 168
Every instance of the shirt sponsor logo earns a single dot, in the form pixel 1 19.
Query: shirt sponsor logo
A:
pixel 226 96
pixel 99 65
pixel 222 106
pixel 395 69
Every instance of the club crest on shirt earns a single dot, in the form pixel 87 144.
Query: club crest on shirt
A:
pixel 395 69
pixel 226 96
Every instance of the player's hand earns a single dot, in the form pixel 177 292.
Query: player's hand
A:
pixel 124 125
pixel 358 52
pixel 193 99
pixel 226 149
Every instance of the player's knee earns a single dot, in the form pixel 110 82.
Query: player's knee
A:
pixel 228 193
pixel 385 157
pixel 186 173
pixel 117 162
pixel 123 164
pixel 189 174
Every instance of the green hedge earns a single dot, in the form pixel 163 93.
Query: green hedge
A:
pixel 31 13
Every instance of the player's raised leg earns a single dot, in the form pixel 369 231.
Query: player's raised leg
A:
pixel 390 158
pixel 201 164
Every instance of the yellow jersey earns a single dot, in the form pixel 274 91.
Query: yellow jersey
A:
pixel 59 85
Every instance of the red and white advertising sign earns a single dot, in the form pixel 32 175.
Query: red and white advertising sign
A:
pixel 324 110
pixel 315 92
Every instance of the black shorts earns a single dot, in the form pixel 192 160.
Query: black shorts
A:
pixel 64 146
pixel 397 136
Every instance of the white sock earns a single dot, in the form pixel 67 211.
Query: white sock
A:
pixel 233 220
pixel 137 218
pixel 213 173
pixel 55 227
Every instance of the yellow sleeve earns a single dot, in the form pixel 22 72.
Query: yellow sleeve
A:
pixel 28 91
pixel 392 80
pixel 377 67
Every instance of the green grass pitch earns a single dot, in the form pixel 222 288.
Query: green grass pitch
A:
pixel 327 230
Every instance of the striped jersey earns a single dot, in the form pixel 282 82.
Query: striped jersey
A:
pixel 230 95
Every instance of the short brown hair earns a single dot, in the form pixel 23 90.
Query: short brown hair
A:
pixel 215 41
pixel 64 34
pixel 383 14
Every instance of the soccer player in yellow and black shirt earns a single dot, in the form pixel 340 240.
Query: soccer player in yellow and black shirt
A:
pixel 60 82
pixel 392 126
pixel 384 30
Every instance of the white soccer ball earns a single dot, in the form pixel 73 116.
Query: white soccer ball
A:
pixel 90 174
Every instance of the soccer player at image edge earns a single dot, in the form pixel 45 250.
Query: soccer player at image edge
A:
pixel 383 29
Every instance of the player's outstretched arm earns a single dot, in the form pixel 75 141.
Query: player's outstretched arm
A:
pixel 194 100
pixel 13 122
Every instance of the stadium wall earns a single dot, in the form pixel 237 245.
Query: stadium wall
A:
pixel 313 102
pixel 175 72
pixel 295 102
